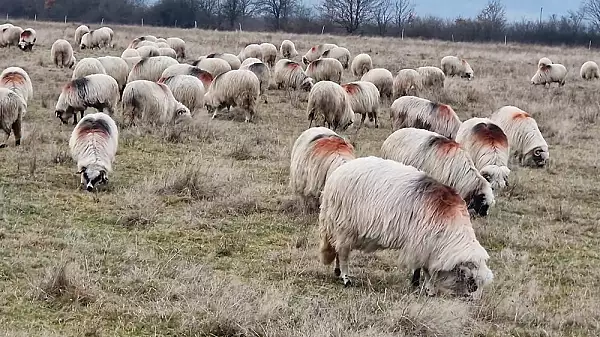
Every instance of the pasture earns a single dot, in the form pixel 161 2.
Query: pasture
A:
pixel 197 233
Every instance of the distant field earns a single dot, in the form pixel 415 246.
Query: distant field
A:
pixel 197 234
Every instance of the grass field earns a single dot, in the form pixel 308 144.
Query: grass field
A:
pixel 198 235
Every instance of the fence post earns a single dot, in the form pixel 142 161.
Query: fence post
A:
pixel 6 16
pixel 35 17
pixel 65 19
pixel 323 30
pixel 402 34
pixel 175 23
pixel 590 45
pixel 505 40
pixel 102 23
pixel 452 37
pixel 195 24
pixel 142 22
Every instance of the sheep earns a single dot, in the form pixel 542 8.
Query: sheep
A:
pixel 289 74
pixel 12 109
pixel 17 80
pixel 129 52
pixel 150 68
pixel 550 74
pixel 178 45
pixel 98 38
pixel 316 153
pixel 264 76
pixel 150 38
pixel 487 145
pixel 187 89
pixel 361 64
pixel 132 61
pixel 524 137
pixel 329 100
pixel 215 66
pixel 444 160
pixel 287 49
pixel 11 36
pixel 251 50
pixel 160 39
pixel 432 77
pixel 407 82
pixel 269 53
pixel 452 66
pixel 185 69
pixel 233 60
pixel 589 71
pixel 152 102
pixel 543 62
pixel 416 112
pixel 93 146
pixel 148 51
pixel 87 66
pixel 110 33
pixel 79 32
pixel 234 88
pixel 168 52
pixel 99 91
pixel 136 42
pixel 163 45
pixel 383 80
pixel 250 60
pixel 27 39
pixel 372 203
pixel 146 44
pixel 325 69
pixel 339 53
pixel 316 52
pixel 117 68
pixel 62 54
pixel 364 100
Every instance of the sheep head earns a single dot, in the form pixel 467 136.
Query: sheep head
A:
pixel 65 115
pixel 464 280
pixel 92 176
pixel 538 157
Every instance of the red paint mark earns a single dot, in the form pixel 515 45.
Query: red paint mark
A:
pixel 351 88
pixel 164 87
pixel 445 203
pixel 14 78
pixel 520 115
pixel 333 144
pixel 446 146
pixel 206 78
pixel 292 65
pixel 90 132
pixel 161 80
pixel 445 109
pixel 313 49
pixel 490 134
pixel 26 34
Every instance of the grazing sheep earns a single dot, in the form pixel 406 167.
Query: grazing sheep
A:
pixel 79 32
pixel 27 39
pixel 453 66
pixel 152 102
pixel 339 53
pixel 364 100
pixel 148 51
pixel 416 112
pixel 146 44
pixel 132 61
pixel 98 91
pixel 239 88
pixel 110 33
pixel 383 80
pixel 93 145
pixel 161 39
pixel 17 80
pixel 87 66
pixel 150 68
pixel 487 145
pixel 589 71
pixel 288 50
pixel 215 66
pixel 264 76
pixel 316 154
pixel 160 45
pixel 186 89
pixel 543 62
pixel 316 52
pixel 251 50
pixel 289 74
pixel 329 100
pixel 269 53
pixel 150 38
pixel 11 36
pixel 168 52
pixel 116 68
pixel 178 45
pixel 185 69
pixel 250 60
pixel 432 77
pixel 12 109
pixel 371 204
pixel 136 42
pixel 98 38
pixel 62 54
pixel 549 74
pixel 443 159
pixel 361 64
pixel 325 69
pixel 407 82
pixel 233 60
pixel 524 137
pixel 129 52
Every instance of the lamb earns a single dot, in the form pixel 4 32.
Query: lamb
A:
pixel 487 145
pixel 269 53
pixel 361 64
pixel 152 102
pixel 93 145
pixel 150 68
pixel 264 76
pixel 129 52
pixel 444 160
pixel 407 82
pixel 17 80
pixel 12 109
pixel 543 62
pixel 148 51
pixel 339 53
pixel 62 54
pixel 11 36
pixel 99 91
pixel 168 52
pixel 98 38
pixel 233 60
pixel 27 39
pixel 524 137
pixel 79 32
pixel 178 45
pixel 186 89
pixel 316 52
pixel 289 74
pixel 383 80
pixel 416 112
pixel 215 66
pixel 329 100
pixel 371 204
pixel 117 68
pixel 287 49
pixel 549 74
pixel 325 69
pixel 87 66
pixel 364 100
pixel 589 71
pixel 453 66
pixel 316 154
pixel 185 69
pixel 251 50
pixel 250 60
pixel 234 88
pixel 432 77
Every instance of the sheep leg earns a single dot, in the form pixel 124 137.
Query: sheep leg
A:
pixel 416 277
pixel 336 271
pixel 343 255
pixel 4 144
pixel 16 127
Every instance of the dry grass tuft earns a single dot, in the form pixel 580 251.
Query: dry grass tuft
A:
pixel 190 180
pixel 63 285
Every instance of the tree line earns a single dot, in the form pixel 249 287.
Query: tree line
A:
pixel 358 17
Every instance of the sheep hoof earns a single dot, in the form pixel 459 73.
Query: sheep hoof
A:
pixel 3 145
pixel 337 272
pixel 17 142
pixel 347 282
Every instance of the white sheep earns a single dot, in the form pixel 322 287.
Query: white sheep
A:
pixel 11 36
pixel 543 62
pixel 328 100
pixel 87 66
pixel 269 53
pixel 129 52
pixel 136 42
pixel 364 100
pixel 17 80
pixel 132 61
pixel 316 153
pixel 148 51
pixel 93 145
pixel 178 45
pixel 239 88
pixel 524 137
pixel 371 204
pixel 315 52
pixel 325 69
pixel 98 38
pixel 589 71
pixel 233 60
pixel 99 91
pixel 443 159
pixel 215 66
pixel 110 33
pixel 117 68
pixel 416 112
pixel 185 69
pixel 383 80
pixel 167 52
pixel 153 103
pixel 160 45
pixel 146 43
pixel 187 89
pixel 552 73
pixel 432 77
pixel 79 32
pixel 454 66
pixel 361 64
pixel 290 75
pixel 288 49
pixel 264 76
pixel 150 68
pixel 62 54
pixel 339 53
pixel 251 50
pixel 407 82
pixel 250 60
pixel 12 109
pixel 27 39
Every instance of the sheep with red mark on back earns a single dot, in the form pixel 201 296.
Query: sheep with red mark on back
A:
pixel 99 91
pixel 416 112
pixel 290 75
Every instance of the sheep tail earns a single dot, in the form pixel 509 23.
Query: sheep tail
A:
pixel 327 251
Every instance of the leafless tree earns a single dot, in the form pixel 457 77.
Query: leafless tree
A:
pixel 591 8
pixel 404 12
pixel 278 12
pixel 493 15
pixel 383 16
pixel 349 14
pixel 234 11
